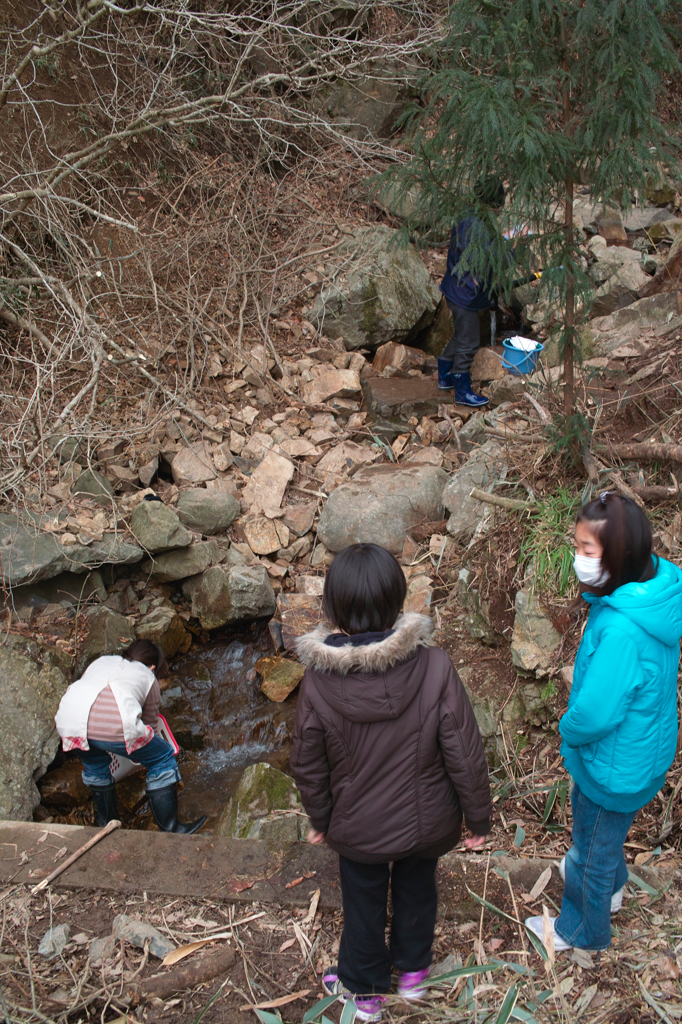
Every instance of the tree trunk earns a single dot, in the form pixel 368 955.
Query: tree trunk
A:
pixel 569 318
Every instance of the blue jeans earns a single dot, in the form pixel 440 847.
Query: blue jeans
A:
pixel 156 756
pixel 595 870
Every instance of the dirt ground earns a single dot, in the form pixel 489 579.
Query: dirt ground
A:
pixel 280 952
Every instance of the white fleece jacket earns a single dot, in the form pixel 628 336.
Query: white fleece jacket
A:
pixel 130 682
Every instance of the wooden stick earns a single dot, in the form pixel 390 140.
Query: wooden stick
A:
pixel 111 827
pixel 164 985
pixel 648 452
pixel 493 499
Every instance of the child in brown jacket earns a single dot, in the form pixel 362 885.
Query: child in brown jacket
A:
pixel 388 758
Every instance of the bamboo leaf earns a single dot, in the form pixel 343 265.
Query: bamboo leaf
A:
pixel 549 805
pixel 509 1003
pixel 349 1012
pixel 268 1018
pixel 318 1008
pixel 520 835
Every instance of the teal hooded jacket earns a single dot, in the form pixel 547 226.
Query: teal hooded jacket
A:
pixel 620 729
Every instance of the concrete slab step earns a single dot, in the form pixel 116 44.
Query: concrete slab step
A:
pixel 236 870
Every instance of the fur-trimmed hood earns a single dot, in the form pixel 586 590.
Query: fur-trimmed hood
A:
pixel 410 631
pixel 373 682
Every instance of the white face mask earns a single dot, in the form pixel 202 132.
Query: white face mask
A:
pixel 589 570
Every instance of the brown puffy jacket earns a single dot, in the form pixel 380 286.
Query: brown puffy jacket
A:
pixel 386 751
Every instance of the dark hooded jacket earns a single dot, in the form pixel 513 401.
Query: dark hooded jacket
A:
pixel 386 751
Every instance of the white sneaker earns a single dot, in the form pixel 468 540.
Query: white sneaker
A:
pixel 535 925
pixel 616 899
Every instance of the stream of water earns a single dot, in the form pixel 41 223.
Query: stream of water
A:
pixel 215 687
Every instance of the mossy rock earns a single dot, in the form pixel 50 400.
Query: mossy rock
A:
pixel 261 790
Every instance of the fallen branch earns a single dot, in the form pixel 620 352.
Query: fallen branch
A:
pixel 509 436
pixel 655 493
pixel 649 452
pixel 164 985
pixel 493 499
pixel 111 827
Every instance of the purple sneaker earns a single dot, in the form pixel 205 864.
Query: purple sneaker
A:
pixel 369 1007
pixel 411 983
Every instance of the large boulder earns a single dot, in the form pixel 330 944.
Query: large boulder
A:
pixel 385 293
pixel 380 505
pixel 367 107
pixel 230 594
pixel 163 626
pixel 33 680
pixel 535 638
pixel 157 527
pixel 183 562
pixel 207 512
pixel 608 333
pixel 29 554
pixel 108 632
pixel 624 287
pixel 482 469
pixel 262 790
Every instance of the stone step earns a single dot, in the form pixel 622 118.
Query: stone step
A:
pixel 178 865
pixel 398 399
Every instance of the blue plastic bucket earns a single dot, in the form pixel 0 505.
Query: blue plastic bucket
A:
pixel 515 360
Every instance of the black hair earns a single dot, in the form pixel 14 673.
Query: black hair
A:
pixel 150 655
pixel 624 532
pixel 364 590
pixel 490 191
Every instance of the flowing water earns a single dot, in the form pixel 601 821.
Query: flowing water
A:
pixel 215 687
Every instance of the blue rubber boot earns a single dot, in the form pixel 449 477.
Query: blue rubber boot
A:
pixel 445 381
pixel 463 393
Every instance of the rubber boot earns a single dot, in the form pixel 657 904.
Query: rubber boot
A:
pixel 105 803
pixel 445 381
pixel 164 805
pixel 463 393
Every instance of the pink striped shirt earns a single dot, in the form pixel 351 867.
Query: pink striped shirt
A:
pixel 105 721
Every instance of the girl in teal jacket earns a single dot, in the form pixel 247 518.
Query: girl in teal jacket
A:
pixel 620 729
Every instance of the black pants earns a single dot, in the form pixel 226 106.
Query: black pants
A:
pixel 465 339
pixel 364 960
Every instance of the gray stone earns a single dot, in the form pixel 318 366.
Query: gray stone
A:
pixel 477 623
pixel 380 505
pixel 33 680
pixel 30 555
pixel 485 466
pixel 183 562
pixel 621 289
pixel 193 465
pixel 641 218
pixel 473 432
pixel 102 949
pixel 385 294
pixel 54 940
pixel 221 595
pixel 188 732
pixel 109 632
pixel 157 528
pixel 367 107
pixel 261 790
pixel 535 638
pixel 610 332
pixel 138 933
pixel 163 626
pixel 207 512
pixel 92 484
pixel 439 332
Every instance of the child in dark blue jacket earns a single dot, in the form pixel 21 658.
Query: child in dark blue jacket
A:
pixel 620 729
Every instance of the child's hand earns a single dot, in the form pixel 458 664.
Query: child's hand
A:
pixel 473 842
pixel 315 837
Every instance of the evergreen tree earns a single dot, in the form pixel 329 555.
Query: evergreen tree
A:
pixel 544 94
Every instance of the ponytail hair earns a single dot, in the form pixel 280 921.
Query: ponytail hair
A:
pixel 624 532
